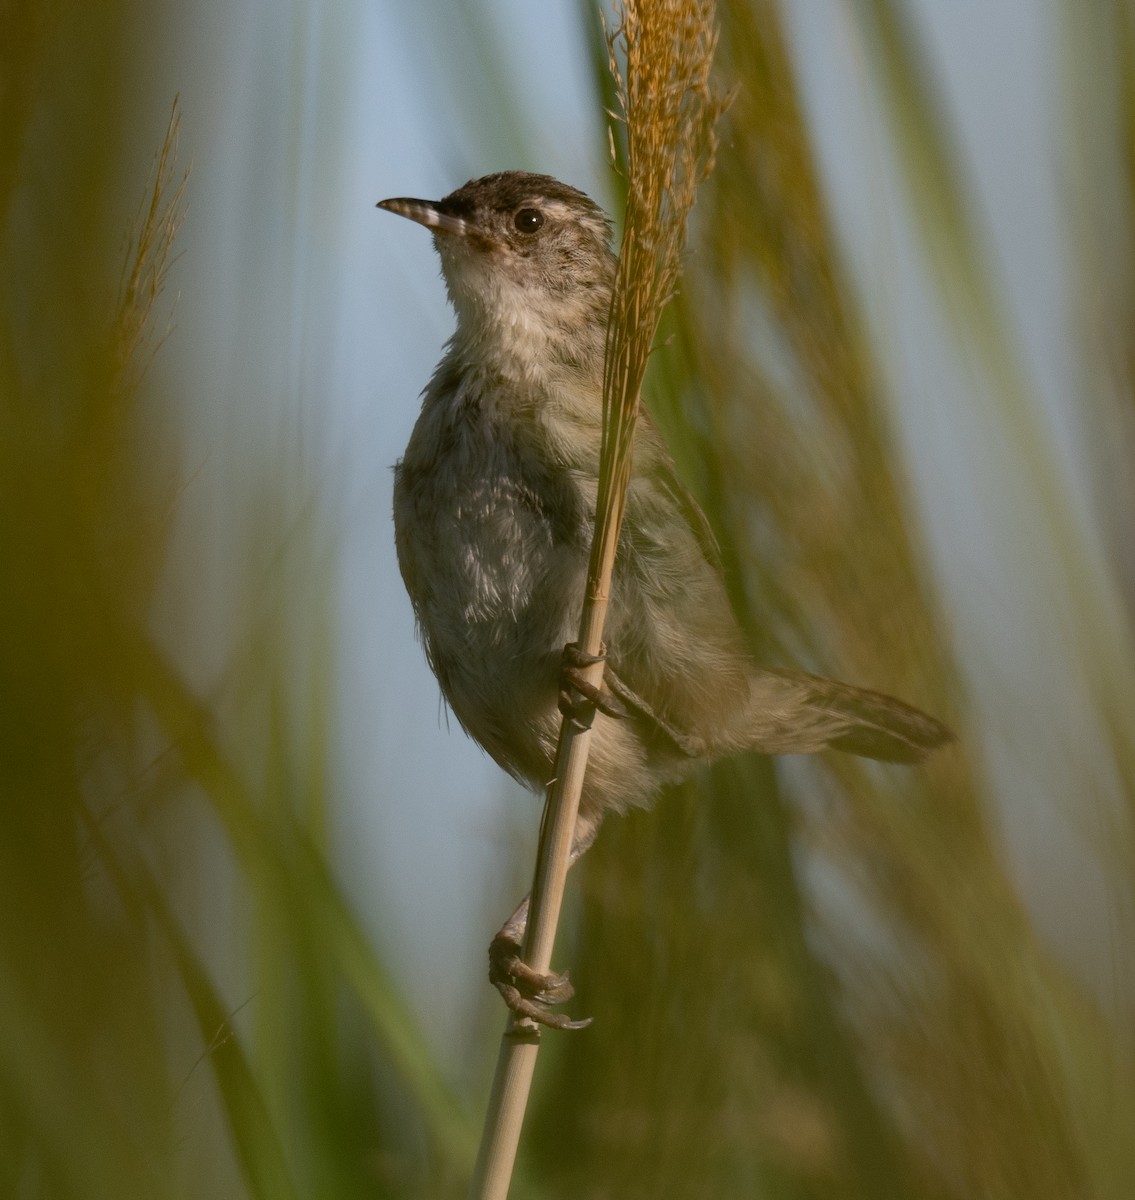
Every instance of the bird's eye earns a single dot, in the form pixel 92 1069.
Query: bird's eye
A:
pixel 528 220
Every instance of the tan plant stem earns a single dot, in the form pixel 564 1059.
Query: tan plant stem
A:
pixel 520 1042
pixel 669 112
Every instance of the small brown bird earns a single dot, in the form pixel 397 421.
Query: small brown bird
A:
pixel 494 507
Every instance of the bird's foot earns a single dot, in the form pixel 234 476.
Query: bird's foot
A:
pixel 579 697
pixel 528 993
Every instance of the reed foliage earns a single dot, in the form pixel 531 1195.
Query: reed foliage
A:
pixel 189 1005
pixel 808 980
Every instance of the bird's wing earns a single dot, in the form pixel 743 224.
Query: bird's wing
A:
pixel 674 647
pixel 669 484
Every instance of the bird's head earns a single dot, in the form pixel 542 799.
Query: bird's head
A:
pixel 526 259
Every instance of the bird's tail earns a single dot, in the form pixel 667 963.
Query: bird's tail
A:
pixel 796 713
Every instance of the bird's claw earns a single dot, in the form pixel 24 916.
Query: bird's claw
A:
pixel 527 992
pixel 573 686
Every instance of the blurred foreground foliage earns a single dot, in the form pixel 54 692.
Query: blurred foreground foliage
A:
pixel 148 835
pixel 808 982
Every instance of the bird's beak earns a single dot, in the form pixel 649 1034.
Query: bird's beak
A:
pixel 430 213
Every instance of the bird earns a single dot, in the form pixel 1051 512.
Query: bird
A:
pixel 494 508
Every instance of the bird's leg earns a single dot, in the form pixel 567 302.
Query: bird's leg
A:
pixel 528 992
pixel 618 701
pixel 574 686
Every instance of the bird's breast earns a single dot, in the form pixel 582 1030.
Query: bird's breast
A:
pixel 487 527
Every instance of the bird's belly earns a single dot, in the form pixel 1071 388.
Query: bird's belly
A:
pixel 493 541
pixel 497 592
pixel 496 634
pixel 490 560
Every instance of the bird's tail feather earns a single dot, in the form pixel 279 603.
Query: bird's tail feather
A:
pixel 822 712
